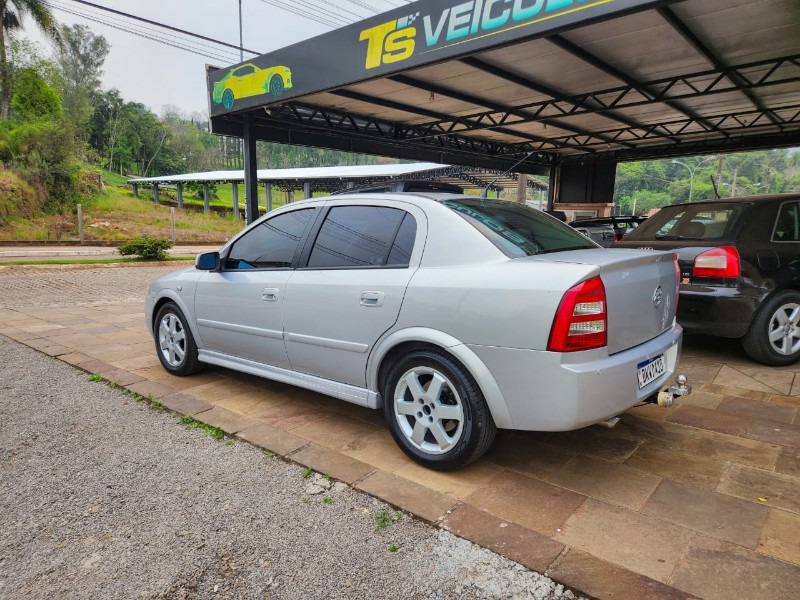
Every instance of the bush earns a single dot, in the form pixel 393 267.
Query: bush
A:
pixel 17 198
pixel 146 248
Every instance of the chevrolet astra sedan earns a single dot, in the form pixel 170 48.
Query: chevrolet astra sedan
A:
pixel 453 314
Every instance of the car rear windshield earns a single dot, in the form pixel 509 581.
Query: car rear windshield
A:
pixel 714 222
pixel 518 230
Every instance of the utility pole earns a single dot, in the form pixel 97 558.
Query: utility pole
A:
pixel 241 39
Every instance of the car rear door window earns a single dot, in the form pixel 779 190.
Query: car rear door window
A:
pixel 272 244
pixel 787 226
pixel 364 236
pixel 702 222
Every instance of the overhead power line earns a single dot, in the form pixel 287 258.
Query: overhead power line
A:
pixel 163 25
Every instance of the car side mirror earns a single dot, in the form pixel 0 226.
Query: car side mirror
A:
pixel 208 261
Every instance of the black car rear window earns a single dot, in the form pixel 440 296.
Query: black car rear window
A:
pixel 712 222
pixel 518 230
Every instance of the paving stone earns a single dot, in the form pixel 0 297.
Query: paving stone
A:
pixel 273 439
pixel 458 484
pixel 75 358
pixel 226 420
pixel 137 362
pixel 704 418
pixel 789 462
pixel 220 388
pixel 185 405
pixel 729 390
pixel 96 366
pixel 521 545
pixel 618 484
pixel 150 389
pixel 733 377
pixel 638 542
pixel 289 415
pixel 709 512
pixel 648 430
pixel 737 449
pixel 528 453
pixel 333 431
pixel 379 450
pixel 606 581
pixel 242 403
pixel 528 502
pixel 56 350
pixel 781 536
pixel 330 462
pixel 700 398
pixel 787 401
pixel 407 495
pixel 597 441
pixel 749 483
pixel 780 381
pixel 674 464
pixel 651 411
pixel 775 432
pixel 757 409
pixel 741 573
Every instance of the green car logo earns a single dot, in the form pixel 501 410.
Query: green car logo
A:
pixel 249 80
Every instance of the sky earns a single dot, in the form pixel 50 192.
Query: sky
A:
pixel 158 75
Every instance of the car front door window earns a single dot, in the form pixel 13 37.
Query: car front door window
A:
pixel 271 245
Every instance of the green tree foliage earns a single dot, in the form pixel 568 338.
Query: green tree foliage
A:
pixel 33 99
pixel 11 14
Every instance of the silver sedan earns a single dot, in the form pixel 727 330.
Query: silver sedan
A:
pixel 453 314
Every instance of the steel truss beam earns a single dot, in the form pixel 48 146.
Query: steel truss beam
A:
pixel 332 121
pixel 771 72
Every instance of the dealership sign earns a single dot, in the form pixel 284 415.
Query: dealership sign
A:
pixel 419 33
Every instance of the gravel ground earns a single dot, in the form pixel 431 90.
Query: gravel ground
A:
pixel 102 497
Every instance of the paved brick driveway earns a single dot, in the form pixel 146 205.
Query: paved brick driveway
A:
pixel 702 499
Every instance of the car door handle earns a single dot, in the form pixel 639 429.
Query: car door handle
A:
pixel 372 298
pixel 269 294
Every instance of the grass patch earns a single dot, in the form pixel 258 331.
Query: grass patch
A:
pixel 393 548
pixel 268 453
pixel 189 422
pixel 307 472
pixel 384 518
pixel 327 500
pixel 95 378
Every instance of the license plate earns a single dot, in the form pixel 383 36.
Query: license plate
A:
pixel 650 370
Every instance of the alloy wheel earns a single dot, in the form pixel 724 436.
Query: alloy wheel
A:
pixel 172 340
pixel 784 329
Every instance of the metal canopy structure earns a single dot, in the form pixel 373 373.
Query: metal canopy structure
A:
pixel 486 82
pixel 331 179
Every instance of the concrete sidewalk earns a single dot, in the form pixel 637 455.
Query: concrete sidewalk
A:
pixel 701 500
pixel 45 252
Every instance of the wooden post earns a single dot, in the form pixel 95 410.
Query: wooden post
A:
pixel 135 190
pixel 269 196
pixel 522 187
pixel 307 189
pixel 155 193
pixel 172 218
pixel 236 199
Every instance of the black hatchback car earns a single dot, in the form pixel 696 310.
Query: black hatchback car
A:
pixel 740 269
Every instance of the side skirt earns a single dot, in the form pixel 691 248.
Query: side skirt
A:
pixel 342 391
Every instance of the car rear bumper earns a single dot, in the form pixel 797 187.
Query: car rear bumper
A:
pixel 721 311
pixel 550 391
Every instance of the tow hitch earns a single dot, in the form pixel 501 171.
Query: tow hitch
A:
pixel 666 397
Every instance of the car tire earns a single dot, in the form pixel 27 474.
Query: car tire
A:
pixel 774 335
pixel 436 411
pixel 175 343
pixel 276 85
pixel 228 99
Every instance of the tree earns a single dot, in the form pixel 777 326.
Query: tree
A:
pixel 11 15
pixel 33 99
pixel 80 55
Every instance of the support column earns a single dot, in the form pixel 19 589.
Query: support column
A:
pixel 135 190
pixel 180 194
pixel 553 183
pixel 522 188
pixel 236 199
pixel 155 193
pixel 250 171
pixel 307 189
pixel 206 199
pixel 269 196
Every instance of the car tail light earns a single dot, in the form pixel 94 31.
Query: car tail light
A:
pixel 678 279
pixel 717 262
pixel 581 321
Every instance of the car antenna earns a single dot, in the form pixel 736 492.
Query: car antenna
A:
pixel 506 172
pixel 714 185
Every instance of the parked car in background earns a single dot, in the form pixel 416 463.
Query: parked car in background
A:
pixel 405 185
pixel 455 314
pixel 607 230
pixel 740 269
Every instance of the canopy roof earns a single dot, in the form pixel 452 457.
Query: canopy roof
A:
pixel 486 82
pixel 336 178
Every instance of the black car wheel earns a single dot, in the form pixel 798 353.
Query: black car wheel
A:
pixel 774 334
pixel 175 344
pixel 436 411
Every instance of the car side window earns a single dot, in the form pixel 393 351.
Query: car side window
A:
pixel 364 236
pixel 270 245
pixel 787 226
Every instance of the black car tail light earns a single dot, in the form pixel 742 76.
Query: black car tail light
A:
pixel 717 262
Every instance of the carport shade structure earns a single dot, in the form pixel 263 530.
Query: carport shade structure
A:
pixel 571 86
